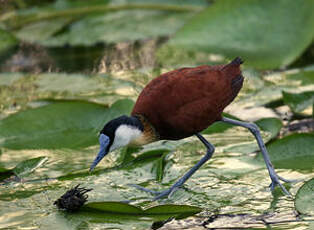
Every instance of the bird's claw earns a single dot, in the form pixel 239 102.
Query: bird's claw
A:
pixel 275 181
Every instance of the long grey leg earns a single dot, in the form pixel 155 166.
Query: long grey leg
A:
pixel 185 177
pixel 255 131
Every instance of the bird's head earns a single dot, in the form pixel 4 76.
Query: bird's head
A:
pixel 117 133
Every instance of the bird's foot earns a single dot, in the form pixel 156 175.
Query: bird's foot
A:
pixel 275 181
pixel 158 194
pixel 144 189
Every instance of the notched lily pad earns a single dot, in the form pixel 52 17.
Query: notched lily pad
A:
pixel 62 124
pixel 304 200
pixel 227 28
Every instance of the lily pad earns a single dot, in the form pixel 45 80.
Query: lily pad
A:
pixel 26 167
pixel 263 33
pixel 292 152
pixel 136 24
pixel 123 208
pixel 63 124
pixel 298 101
pixel 304 200
pixel 113 207
pixel 62 23
pixel 23 168
pixel 271 125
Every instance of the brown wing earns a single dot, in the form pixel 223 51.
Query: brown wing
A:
pixel 183 102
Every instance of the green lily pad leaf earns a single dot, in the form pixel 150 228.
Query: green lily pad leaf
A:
pixel 263 33
pixel 62 23
pixel 123 208
pixel 136 24
pixel 271 125
pixel 40 31
pixel 304 199
pixel 7 45
pixel 292 152
pixel 112 207
pixel 298 101
pixel 26 167
pixel 63 124
pixel 172 209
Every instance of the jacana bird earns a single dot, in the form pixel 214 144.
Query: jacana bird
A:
pixel 177 105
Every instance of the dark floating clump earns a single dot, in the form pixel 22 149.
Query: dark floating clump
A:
pixel 73 199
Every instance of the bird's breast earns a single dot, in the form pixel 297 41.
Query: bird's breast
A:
pixel 148 135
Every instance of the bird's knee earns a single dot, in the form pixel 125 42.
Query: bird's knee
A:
pixel 254 128
pixel 210 150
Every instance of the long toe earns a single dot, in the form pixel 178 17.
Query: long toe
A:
pixel 163 194
pixel 275 182
pixel 288 181
pixel 144 189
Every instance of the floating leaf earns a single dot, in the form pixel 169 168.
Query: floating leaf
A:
pixel 136 24
pixel 292 152
pixel 263 33
pixel 172 209
pixel 271 125
pixel 42 30
pixel 123 208
pixel 298 101
pixel 304 199
pixel 113 207
pixel 28 166
pixel 64 22
pixel 63 124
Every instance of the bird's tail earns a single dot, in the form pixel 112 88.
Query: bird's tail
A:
pixel 234 63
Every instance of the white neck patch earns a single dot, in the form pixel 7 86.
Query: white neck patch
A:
pixel 124 135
